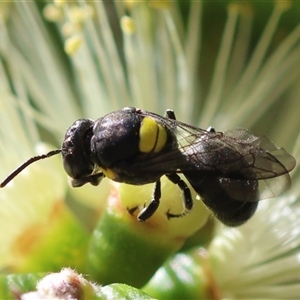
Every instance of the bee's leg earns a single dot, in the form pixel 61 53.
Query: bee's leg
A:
pixel 187 197
pixel 94 179
pixel 149 210
pixel 170 114
pixel 211 129
pixel 132 210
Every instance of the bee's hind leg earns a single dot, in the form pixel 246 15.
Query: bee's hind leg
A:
pixel 187 197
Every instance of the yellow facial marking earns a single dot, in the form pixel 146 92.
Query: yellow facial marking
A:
pixel 109 173
pixel 153 136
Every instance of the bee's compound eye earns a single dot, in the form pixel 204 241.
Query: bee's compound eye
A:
pixel 76 149
pixel 68 164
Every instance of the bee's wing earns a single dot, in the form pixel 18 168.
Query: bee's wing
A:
pixel 235 154
pixel 273 187
pixel 240 159
pixel 237 157
pixel 262 158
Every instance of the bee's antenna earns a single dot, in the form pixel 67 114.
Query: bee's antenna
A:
pixel 31 160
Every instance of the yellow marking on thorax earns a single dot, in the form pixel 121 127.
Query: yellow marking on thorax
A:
pixel 109 173
pixel 161 139
pixel 153 136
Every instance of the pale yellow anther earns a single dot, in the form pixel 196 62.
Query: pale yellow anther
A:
pixel 76 15
pixel 79 14
pixel 53 13
pixel 72 44
pixel 128 25
pixel 68 29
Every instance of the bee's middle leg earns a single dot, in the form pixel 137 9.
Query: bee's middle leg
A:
pixel 149 210
pixel 187 197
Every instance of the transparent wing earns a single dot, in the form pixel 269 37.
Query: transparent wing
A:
pixel 236 153
pixel 241 160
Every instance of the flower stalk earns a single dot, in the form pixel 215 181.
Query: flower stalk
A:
pixel 122 249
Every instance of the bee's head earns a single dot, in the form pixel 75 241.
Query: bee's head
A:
pixel 76 153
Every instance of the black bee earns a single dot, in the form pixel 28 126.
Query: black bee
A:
pixel 231 171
